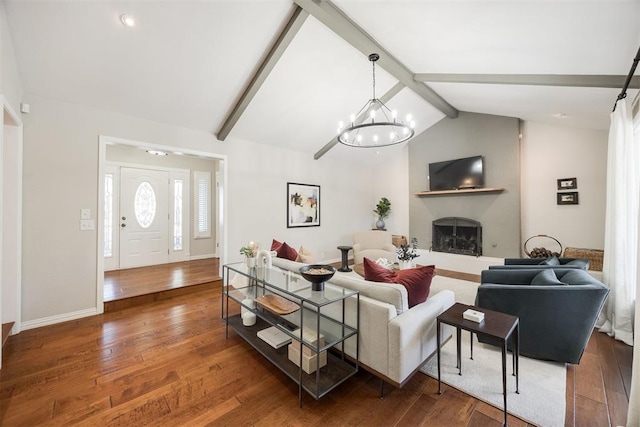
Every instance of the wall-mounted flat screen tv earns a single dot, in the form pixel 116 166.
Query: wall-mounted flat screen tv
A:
pixel 457 174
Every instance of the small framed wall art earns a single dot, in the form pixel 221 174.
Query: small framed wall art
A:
pixel 567 183
pixel 568 198
pixel 303 205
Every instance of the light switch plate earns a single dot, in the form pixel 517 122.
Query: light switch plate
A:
pixel 87 225
pixel 85 213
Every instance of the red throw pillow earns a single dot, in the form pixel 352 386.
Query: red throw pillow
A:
pixel 275 245
pixel 418 282
pixel 377 273
pixel 286 251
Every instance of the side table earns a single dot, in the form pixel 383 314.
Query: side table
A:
pixel 495 325
pixel 345 258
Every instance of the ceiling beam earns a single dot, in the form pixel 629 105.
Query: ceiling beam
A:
pixel 336 20
pixel 567 80
pixel 297 18
pixel 361 118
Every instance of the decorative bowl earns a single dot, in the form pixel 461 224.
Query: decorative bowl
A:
pixel 317 278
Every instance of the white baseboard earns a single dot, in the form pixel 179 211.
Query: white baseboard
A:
pixel 205 256
pixel 59 318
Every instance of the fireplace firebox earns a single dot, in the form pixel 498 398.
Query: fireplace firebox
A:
pixel 457 235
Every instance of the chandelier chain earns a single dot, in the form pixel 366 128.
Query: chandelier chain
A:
pixel 373 63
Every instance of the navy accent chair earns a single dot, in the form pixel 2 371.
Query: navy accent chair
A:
pixel 556 316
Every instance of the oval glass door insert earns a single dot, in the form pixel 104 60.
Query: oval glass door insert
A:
pixel 145 204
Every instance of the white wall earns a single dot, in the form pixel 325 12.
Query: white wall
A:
pixel 553 152
pixel 391 180
pixel 10 85
pixel 10 144
pixel 61 177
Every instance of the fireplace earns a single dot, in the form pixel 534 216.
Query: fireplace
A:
pixel 457 236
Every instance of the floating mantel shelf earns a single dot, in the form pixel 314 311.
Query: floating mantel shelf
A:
pixel 454 192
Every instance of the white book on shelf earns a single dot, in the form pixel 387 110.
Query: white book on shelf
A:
pixel 275 337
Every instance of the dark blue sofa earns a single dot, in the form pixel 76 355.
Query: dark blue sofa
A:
pixel 556 320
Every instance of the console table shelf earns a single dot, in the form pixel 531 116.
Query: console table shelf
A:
pixel 487 190
pixel 314 314
pixel 334 373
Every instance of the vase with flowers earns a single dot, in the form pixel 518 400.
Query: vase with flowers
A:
pixel 250 252
pixel 407 253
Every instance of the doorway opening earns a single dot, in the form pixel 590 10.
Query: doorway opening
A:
pixel 161 226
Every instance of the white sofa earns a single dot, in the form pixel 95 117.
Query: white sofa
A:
pixel 395 341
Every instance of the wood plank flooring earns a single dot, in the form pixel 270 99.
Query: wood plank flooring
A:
pixel 168 363
pixel 133 282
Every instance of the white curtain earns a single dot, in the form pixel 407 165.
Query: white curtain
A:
pixel 633 416
pixel 621 226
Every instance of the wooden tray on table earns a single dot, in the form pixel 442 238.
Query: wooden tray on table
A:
pixel 276 304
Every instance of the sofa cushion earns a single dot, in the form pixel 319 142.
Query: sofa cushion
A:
pixel 576 277
pixel 287 252
pixel 551 261
pixel 275 245
pixel 417 280
pixel 418 283
pixel 305 256
pixel 546 278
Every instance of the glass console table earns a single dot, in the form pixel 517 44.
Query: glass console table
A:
pixel 311 314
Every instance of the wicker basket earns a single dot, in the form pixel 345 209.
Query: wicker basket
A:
pixel 594 256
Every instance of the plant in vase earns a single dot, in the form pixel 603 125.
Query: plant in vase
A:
pixel 383 209
pixel 250 251
pixel 406 254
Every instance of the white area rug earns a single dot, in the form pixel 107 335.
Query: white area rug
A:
pixel 542 384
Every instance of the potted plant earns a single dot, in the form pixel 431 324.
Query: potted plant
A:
pixel 383 209
pixel 250 251
pixel 406 254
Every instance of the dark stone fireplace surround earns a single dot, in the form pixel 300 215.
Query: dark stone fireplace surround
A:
pixel 457 235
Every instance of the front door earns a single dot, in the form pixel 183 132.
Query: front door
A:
pixel 144 217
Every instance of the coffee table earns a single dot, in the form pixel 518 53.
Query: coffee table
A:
pixel 495 325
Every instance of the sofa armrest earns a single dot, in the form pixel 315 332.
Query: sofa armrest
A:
pixel 412 335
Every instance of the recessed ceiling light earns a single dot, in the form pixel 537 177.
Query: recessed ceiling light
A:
pixel 128 20
pixel 560 115
pixel 157 152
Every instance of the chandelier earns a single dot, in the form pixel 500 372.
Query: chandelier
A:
pixel 375 125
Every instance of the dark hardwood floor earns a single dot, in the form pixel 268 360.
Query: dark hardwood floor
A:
pixel 168 363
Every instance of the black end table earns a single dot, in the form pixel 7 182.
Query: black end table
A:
pixel 345 258
pixel 495 325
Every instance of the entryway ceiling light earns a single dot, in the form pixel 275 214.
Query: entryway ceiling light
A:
pixel 127 20
pixel 375 125
pixel 158 152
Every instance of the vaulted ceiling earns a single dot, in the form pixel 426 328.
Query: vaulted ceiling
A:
pixel 189 63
